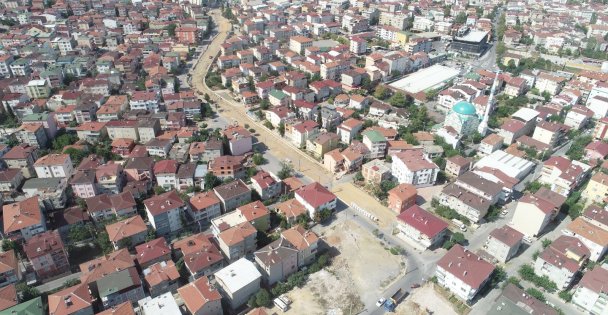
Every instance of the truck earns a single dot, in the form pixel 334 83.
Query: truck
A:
pixel 391 303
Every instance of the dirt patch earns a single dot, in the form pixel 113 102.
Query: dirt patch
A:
pixel 348 192
pixel 426 194
pixel 425 300
pixel 350 279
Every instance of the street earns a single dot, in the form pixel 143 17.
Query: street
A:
pixel 420 264
pixel 279 149
pixel 54 284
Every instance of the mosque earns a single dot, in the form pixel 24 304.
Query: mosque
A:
pixel 461 121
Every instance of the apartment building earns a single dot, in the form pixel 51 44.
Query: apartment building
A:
pixel 503 243
pixel 463 273
pixel 165 211
pixel 420 227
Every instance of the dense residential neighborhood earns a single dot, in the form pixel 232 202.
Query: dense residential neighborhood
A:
pixel 324 157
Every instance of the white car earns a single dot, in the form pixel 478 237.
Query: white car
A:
pixel 380 302
pixel 463 228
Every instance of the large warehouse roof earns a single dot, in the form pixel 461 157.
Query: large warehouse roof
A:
pixel 425 79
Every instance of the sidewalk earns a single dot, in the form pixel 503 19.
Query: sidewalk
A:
pixel 57 283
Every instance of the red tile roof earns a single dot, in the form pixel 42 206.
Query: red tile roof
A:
pixel 253 210
pixel 166 167
pixel 423 221
pixel 163 202
pixel 8 296
pixel 21 214
pixel 78 295
pixel 466 266
pixel 595 280
pixel 120 309
pixel 152 250
pixel 204 200
pixel 126 228
pixel 161 272
pixel 43 244
pixel 315 194
pixel 198 293
pixel 263 179
pixel 507 235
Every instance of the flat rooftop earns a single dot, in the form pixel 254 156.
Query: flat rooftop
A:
pixel 231 219
pixel 424 79
pixel 473 36
pixel 238 275
pixel 163 304
pixel 509 164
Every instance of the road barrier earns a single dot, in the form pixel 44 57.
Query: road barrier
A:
pixel 363 212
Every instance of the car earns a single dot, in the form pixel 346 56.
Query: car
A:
pixel 463 228
pixel 210 57
pixel 415 285
pixel 380 302
pixel 504 212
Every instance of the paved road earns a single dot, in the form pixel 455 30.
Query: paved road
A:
pixel 282 150
pixel 420 264
pixel 52 285
pixel 483 305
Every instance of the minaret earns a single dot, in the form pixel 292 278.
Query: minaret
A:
pixel 483 125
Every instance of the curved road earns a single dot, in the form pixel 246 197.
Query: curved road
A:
pixel 235 111
pixel 283 149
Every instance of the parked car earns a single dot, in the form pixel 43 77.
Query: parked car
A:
pixel 415 285
pixel 380 302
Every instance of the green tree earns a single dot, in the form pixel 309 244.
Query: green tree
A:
pixel 264 104
pixel 79 232
pixel 536 293
pixel 76 155
pixel 171 29
pixel 263 298
pixel 577 150
pixel 397 100
pixel 158 190
pixel 381 92
pixel 125 243
pixel 211 181
pixel 71 282
pixel 502 26
pixel 461 18
pixel 8 244
pixel 281 129
pixel 103 240
pixel 27 292
pixel 181 268
pixel 285 171
pixel 565 295
pixel 258 159
pixel 501 49
pixel 431 94
pixel 514 280
pixel 151 234
pixel 64 140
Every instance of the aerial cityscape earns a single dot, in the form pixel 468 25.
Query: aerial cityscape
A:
pixel 338 157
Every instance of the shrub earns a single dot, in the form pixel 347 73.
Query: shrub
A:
pixel 565 295
pixel 536 293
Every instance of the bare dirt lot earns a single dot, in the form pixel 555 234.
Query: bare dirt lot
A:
pixel 348 191
pixel 351 278
pixel 425 299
